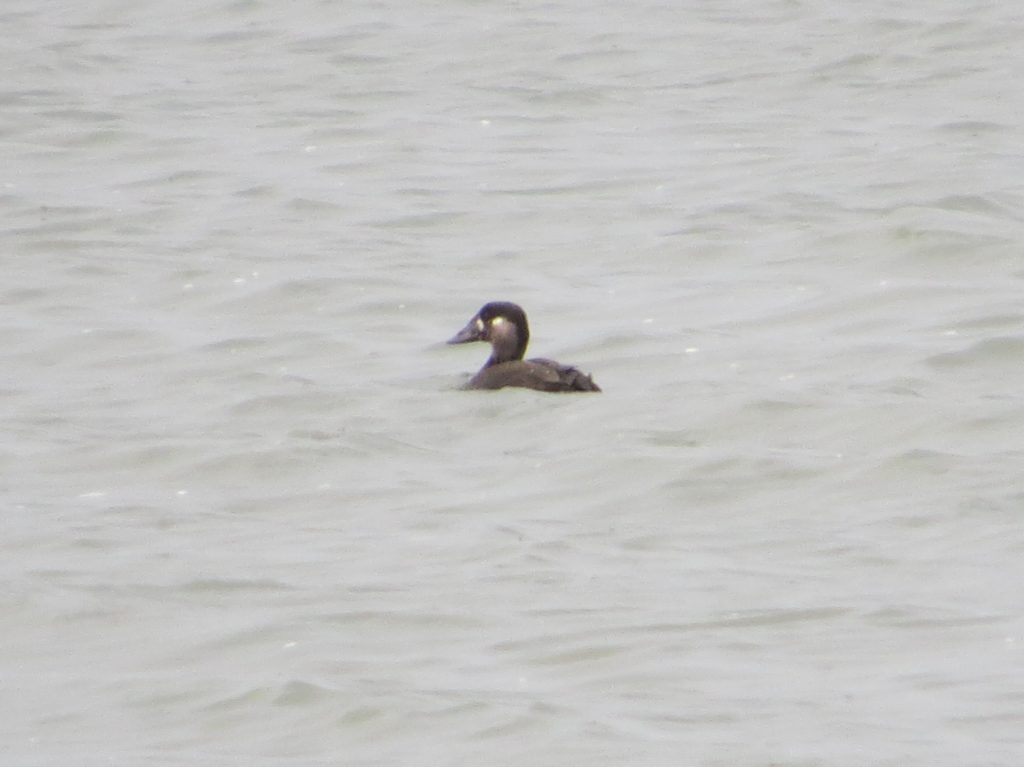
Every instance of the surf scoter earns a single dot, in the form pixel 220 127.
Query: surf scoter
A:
pixel 503 326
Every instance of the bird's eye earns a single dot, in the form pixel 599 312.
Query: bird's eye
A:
pixel 498 321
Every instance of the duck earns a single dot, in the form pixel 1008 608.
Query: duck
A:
pixel 503 325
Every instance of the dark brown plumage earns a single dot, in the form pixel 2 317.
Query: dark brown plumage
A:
pixel 503 325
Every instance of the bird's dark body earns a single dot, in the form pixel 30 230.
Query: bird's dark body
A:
pixel 539 374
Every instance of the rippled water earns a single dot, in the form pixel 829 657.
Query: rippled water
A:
pixel 248 518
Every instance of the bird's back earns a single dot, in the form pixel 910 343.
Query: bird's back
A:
pixel 539 374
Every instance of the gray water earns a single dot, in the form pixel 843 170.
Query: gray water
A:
pixel 249 518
